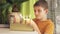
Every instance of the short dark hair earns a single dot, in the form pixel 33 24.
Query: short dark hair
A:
pixel 42 3
pixel 15 8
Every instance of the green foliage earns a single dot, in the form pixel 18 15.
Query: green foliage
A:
pixel 5 6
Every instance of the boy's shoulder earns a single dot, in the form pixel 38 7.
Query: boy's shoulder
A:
pixel 49 21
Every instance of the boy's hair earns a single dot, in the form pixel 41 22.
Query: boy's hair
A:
pixel 42 3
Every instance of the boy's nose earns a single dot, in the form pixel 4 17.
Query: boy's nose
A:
pixel 36 12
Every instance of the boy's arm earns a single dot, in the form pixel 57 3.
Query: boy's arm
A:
pixel 33 24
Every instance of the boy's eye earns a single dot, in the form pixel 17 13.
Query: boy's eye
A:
pixel 39 10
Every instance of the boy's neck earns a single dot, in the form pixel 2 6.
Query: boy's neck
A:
pixel 43 19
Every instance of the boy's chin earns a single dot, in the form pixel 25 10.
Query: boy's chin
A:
pixel 38 18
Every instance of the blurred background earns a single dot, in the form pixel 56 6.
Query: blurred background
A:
pixel 26 9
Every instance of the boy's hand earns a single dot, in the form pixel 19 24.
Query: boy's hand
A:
pixel 33 24
pixel 28 21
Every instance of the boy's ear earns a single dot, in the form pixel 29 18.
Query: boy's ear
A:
pixel 46 11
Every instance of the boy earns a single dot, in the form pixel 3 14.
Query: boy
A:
pixel 41 24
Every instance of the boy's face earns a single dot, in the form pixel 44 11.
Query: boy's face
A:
pixel 40 12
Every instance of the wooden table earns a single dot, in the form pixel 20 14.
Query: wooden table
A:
pixel 7 31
